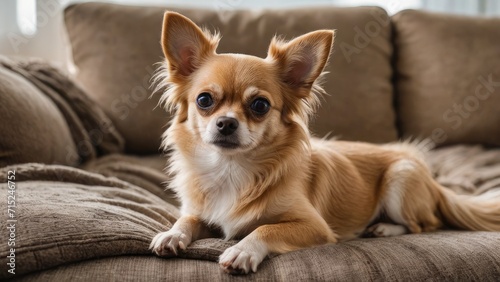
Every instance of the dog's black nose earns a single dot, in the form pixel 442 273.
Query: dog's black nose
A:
pixel 227 125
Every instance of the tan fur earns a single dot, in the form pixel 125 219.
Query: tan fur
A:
pixel 281 190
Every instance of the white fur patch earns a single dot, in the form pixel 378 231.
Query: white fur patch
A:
pixel 244 256
pixel 491 195
pixel 387 230
pixel 223 178
pixel 251 90
pixel 393 202
pixel 169 242
pixel 215 88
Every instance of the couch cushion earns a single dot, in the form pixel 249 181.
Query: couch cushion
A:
pixel 448 77
pixel 32 127
pixel 115 48
pixel 440 256
pixel 147 172
pixel 66 215
pixel 47 118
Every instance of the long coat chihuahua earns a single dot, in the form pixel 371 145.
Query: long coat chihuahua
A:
pixel 244 163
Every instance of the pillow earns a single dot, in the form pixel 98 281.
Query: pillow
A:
pixel 448 77
pixel 115 48
pixel 32 127
pixel 66 215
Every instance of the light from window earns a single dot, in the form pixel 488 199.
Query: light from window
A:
pixel 26 16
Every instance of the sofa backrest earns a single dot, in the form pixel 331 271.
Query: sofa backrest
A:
pixel 448 77
pixel 115 49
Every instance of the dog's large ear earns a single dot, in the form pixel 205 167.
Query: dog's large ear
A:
pixel 301 60
pixel 184 44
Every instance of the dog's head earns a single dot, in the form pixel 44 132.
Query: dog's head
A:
pixel 236 102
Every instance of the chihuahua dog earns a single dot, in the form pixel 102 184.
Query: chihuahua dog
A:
pixel 244 163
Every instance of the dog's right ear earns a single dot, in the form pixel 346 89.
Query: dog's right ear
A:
pixel 185 45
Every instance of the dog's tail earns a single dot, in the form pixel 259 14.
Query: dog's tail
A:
pixel 470 212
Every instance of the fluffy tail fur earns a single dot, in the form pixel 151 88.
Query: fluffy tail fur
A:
pixel 478 213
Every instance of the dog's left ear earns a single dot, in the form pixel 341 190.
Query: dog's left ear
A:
pixel 185 45
pixel 301 60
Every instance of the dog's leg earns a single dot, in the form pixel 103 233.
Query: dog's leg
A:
pixel 408 201
pixel 187 228
pixel 275 238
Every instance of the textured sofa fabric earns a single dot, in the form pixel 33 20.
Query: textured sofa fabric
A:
pixel 47 118
pixel 66 214
pixel 122 43
pixel 443 256
pixel 448 77
pixel 32 127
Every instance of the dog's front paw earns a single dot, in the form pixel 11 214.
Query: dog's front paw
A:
pixel 168 243
pixel 237 260
pixel 385 230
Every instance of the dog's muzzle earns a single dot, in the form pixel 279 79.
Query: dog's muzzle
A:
pixel 226 127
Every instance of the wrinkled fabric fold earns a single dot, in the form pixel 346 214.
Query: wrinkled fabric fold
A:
pixel 92 131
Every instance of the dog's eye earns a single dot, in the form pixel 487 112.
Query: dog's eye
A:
pixel 204 100
pixel 260 106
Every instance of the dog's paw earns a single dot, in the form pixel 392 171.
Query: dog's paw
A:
pixel 385 230
pixel 166 244
pixel 236 260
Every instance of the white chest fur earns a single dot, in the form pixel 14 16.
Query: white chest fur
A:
pixel 222 179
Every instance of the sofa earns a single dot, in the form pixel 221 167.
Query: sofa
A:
pixel 84 181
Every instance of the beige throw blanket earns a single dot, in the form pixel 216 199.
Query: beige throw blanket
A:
pixel 92 131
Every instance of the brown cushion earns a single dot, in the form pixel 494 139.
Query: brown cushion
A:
pixel 32 127
pixel 448 77
pixel 147 172
pixel 440 256
pixel 115 48
pixel 66 215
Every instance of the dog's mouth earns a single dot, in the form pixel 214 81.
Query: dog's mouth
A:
pixel 226 144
